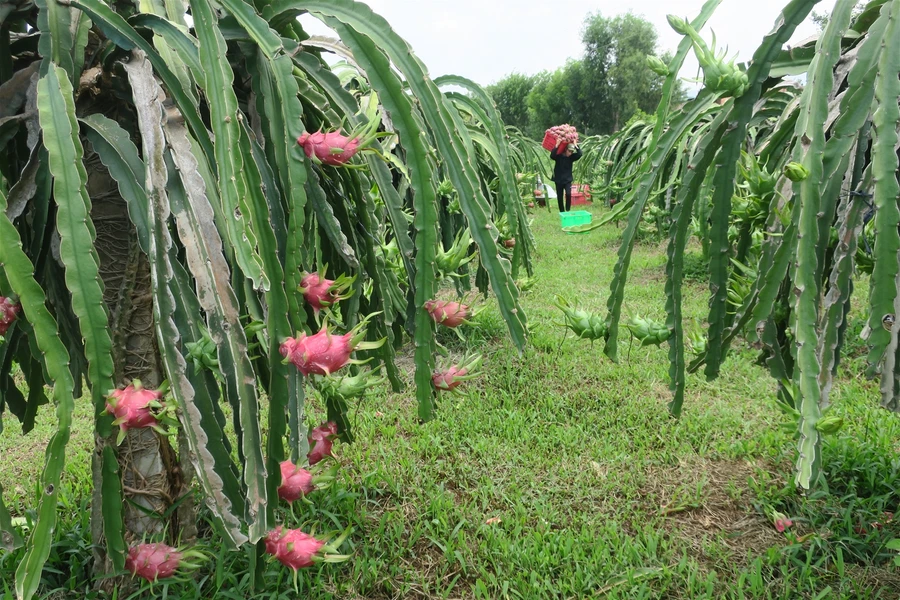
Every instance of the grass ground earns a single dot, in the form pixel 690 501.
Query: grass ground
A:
pixel 562 475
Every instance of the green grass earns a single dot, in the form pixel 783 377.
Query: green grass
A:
pixel 561 475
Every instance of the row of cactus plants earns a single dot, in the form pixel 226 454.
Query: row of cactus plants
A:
pixel 174 196
pixel 791 192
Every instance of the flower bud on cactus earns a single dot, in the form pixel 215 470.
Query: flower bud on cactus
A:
pixel 657 65
pixel 451 377
pixel 829 424
pixel 678 24
pixel 203 353
pixel 449 261
pixel 324 353
pixel 9 312
pixel 447 313
pixel 158 561
pixel 322 293
pixel 321 440
pixel 509 243
pixel 796 172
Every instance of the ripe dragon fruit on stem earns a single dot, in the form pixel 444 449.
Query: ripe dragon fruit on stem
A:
pixel 448 313
pixel 324 353
pixel 159 561
pixel 322 293
pixel 9 312
pixel 451 377
pixel 335 148
pixel 297 482
pixel 297 549
pixel 135 407
pixel 321 440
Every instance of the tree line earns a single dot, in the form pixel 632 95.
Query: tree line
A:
pixel 597 93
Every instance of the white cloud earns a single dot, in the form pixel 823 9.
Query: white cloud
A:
pixel 485 40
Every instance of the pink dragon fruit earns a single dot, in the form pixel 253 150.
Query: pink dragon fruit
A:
pixel 295 482
pixel 321 293
pixel 9 312
pixel 324 353
pixel 321 440
pixel 293 548
pixel 330 148
pixel 132 406
pixel 448 314
pixel 450 378
pixel 158 561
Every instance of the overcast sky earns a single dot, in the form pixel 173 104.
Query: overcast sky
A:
pixel 485 40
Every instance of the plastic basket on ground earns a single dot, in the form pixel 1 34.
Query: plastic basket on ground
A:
pixel 549 142
pixel 574 218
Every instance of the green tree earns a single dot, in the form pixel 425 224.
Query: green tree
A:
pixel 510 94
pixel 615 69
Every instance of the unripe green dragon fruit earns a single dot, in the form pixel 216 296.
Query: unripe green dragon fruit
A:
pixel 796 172
pixel 349 386
pixel 648 331
pixel 585 325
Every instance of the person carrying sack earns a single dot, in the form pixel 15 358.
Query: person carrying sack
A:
pixel 562 174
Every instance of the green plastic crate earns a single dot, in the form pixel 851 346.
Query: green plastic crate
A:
pixel 574 218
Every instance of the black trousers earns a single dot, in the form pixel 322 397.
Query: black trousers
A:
pixel 564 189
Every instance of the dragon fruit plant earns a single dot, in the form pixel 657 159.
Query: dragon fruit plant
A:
pixel 135 407
pixel 321 293
pixel 324 352
pixel 9 312
pixel 159 561
pixel 451 376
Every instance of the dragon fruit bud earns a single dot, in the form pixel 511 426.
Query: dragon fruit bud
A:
pixel 330 148
pixel 321 293
pixel 295 482
pixel 324 353
pixel 321 442
pixel 153 561
pixel 449 314
pixel 509 243
pixel 132 406
pixel 9 312
pixel 292 547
